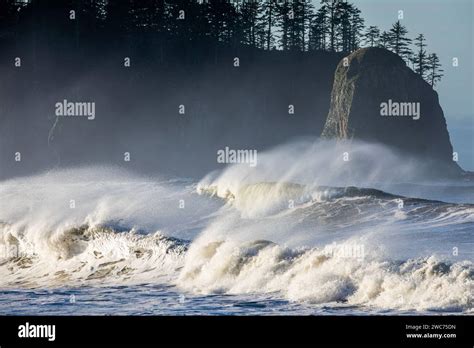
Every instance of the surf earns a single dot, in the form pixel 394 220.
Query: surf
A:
pixel 317 230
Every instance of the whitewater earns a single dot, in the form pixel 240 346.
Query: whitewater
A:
pixel 316 227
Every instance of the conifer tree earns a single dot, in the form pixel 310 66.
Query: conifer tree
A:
pixel 356 27
pixel 399 42
pixel 372 36
pixel 319 30
pixel 284 20
pixel 420 57
pixel 434 71
pixel 332 8
pixel 268 20
pixel 385 39
pixel 249 21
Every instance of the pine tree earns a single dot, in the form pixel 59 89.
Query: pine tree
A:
pixel 385 39
pixel 307 15
pixel 248 17
pixel 420 58
pixel 434 71
pixel 295 37
pixel 344 25
pixel 301 15
pixel 372 36
pixel 319 30
pixel 268 20
pixel 332 8
pixel 343 29
pixel 357 26
pixel 399 43
pixel 284 18
pixel 221 16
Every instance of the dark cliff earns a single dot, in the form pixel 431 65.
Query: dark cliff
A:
pixel 245 107
pixel 137 107
pixel 377 98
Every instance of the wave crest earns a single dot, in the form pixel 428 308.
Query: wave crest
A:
pixel 96 254
pixel 319 276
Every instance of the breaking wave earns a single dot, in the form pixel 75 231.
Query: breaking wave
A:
pixel 99 225
pixel 330 274
pixel 319 230
pixel 98 255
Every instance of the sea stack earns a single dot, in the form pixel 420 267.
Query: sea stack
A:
pixel 377 98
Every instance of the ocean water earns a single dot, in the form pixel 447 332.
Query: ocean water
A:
pixel 306 231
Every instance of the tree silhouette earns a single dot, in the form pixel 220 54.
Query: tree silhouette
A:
pixel 319 30
pixel 337 25
pixel 302 16
pixel 344 25
pixel 249 22
pixel 216 18
pixel 296 29
pixel 399 43
pixel 434 71
pixel 385 39
pixel 372 36
pixel 343 29
pixel 332 9
pixel 306 17
pixel 420 58
pixel 284 21
pixel 357 26
pixel 268 19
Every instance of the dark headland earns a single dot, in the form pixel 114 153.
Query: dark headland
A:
pixel 377 98
pixel 173 93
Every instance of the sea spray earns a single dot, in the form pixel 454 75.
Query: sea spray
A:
pixel 313 230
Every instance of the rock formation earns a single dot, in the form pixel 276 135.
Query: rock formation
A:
pixel 377 98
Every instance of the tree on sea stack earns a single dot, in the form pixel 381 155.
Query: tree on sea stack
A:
pixel 435 73
pixel 372 35
pixel 384 41
pixel 398 42
pixel 420 58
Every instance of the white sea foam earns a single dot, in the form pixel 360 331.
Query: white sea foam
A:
pixel 305 230
pixel 61 222
pixel 317 276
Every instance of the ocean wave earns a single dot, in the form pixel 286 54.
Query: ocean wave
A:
pixel 96 255
pixel 330 274
pixel 347 272
pixel 293 238
pixel 341 203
